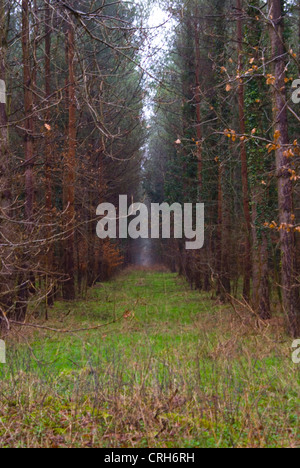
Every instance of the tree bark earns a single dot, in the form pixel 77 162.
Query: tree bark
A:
pixel 69 171
pixel 25 276
pixel 203 256
pixel 198 103
pixel 244 162
pixel 224 286
pixel 28 104
pixel 260 259
pixel 290 287
pixel 6 280
pixel 48 148
pixel 299 35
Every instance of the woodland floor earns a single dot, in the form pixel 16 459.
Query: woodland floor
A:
pixel 177 370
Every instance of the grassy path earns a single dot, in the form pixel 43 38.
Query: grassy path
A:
pixel 176 370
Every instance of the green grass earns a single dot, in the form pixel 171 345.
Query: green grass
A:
pixel 176 370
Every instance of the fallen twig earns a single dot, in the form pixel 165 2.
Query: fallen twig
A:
pixel 64 331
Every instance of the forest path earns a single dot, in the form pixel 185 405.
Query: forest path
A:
pixel 176 370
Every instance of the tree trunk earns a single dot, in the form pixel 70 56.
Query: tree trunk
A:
pixel 290 288
pixel 69 171
pixel 28 104
pixel 246 206
pixel 6 280
pixel 260 259
pixel 24 276
pixel 299 35
pixel 224 286
pixel 48 150
pixel 198 103
pixel 200 258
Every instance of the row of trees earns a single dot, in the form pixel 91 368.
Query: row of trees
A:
pixel 225 132
pixel 71 129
